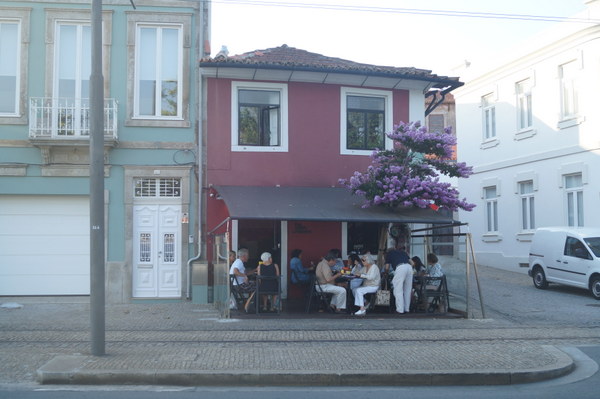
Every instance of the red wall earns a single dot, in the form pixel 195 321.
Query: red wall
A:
pixel 313 158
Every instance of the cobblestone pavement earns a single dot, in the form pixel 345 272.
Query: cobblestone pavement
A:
pixel 186 344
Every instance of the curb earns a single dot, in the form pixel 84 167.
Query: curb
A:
pixel 69 370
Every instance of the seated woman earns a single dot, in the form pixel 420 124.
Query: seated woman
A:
pixel 433 269
pixel 268 268
pixel 358 268
pixel 418 266
pixel 372 279
pixel 300 274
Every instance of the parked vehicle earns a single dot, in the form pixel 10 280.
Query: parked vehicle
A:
pixel 565 255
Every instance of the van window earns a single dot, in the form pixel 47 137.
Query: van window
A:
pixel 594 244
pixel 574 247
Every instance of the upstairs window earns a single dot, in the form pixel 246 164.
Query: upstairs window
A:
pixel 524 113
pixel 9 67
pixel 574 197
pixel 489 117
pixel 568 89
pixel 365 118
pixel 158 81
pixel 527 205
pixel 259 113
pixel 491 209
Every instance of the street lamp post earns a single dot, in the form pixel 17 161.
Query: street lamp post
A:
pixel 97 257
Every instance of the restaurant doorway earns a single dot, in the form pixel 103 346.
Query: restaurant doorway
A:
pixel 260 236
pixel 363 237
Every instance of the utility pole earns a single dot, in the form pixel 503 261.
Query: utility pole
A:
pixel 97 257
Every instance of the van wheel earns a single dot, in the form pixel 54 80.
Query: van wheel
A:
pixel 539 279
pixel 595 287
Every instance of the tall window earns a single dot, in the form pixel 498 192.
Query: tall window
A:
pixel 158 81
pixel 568 89
pixel 527 205
pixel 365 117
pixel 491 209
pixel 574 192
pixel 9 67
pixel 489 117
pixel 525 115
pixel 259 116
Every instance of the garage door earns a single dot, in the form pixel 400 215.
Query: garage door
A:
pixel 44 245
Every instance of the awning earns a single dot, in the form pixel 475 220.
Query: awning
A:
pixel 317 204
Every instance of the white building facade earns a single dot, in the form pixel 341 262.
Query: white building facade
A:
pixel 530 127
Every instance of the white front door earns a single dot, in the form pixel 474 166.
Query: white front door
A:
pixel 156 251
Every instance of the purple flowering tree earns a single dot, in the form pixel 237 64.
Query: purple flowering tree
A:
pixel 408 175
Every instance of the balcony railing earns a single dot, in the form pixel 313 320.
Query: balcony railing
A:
pixel 68 118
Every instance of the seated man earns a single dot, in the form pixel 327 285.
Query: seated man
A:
pixel 241 281
pixel 326 280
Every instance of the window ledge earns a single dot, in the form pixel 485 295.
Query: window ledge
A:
pixel 525 236
pixel 489 144
pixel 157 123
pixel 491 237
pixel 250 148
pixel 570 122
pixel 525 134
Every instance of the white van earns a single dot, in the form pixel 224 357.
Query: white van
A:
pixel 566 255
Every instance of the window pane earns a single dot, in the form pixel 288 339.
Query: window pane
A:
pixel 579 209
pixel 248 126
pixel 169 71
pixel 531 213
pixel 526 187
pixel 436 123
pixel 570 209
pixel 572 181
pixel 490 192
pixel 366 103
pixel 9 46
pixel 147 71
pixel 67 61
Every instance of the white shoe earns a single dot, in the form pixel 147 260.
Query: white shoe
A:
pixel 360 312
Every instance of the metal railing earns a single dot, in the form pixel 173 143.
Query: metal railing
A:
pixel 68 118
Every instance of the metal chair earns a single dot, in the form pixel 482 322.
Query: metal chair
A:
pixel 436 290
pixel 322 298
pixel 261 290
pixel 242 298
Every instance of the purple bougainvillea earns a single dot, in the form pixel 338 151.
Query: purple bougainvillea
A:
pixel 408 175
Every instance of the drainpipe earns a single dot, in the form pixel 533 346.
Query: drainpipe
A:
pixel 202 46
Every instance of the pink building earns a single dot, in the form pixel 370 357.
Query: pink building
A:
pixel 283 125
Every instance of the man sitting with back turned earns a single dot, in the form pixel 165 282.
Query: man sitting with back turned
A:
pixel 326 280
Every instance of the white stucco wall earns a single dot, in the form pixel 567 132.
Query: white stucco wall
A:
pixel 551 149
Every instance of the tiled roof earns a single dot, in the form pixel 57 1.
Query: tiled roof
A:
pixel 285 57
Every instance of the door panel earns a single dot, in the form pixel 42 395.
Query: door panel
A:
pixel 156 247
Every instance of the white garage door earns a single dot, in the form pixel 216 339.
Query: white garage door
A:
pixel 44 245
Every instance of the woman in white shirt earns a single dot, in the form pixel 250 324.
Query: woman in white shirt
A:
pixel 372 279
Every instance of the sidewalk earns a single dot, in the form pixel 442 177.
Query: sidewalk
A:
pixel 181 343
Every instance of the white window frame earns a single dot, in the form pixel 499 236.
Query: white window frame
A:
pixel 21 16
pixel 524 105
pixel 283 123
pixel 488 116
pixel 388 118
pixel 569 101
pixel 16 66
pixel 491 209
pixel 574 202
pixel 527 205
pixel 136 102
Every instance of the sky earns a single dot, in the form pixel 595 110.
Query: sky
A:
pixel 403 33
